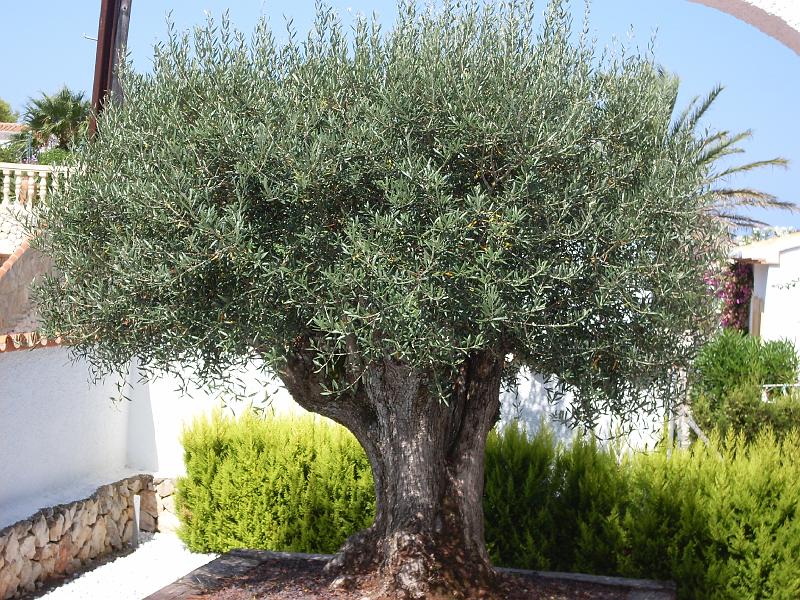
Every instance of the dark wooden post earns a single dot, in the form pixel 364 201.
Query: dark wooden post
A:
pixel 112 36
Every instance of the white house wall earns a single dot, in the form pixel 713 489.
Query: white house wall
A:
pixel 529 406
pixel 59 434
pixel 160 410
pixel 780 288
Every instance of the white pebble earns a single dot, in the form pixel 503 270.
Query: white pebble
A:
pixel 153 565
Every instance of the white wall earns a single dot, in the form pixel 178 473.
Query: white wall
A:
pixel 61 436
pixel 528 405
pixel 57 431
pixel 160 410
pixel 781 316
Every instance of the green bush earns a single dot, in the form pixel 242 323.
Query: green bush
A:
pixel 726 387
pixel 294 485
pixel 54 156
pixel 733 359
pixel 722 521
pixel 9 154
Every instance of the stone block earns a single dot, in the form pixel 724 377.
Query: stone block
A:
pixel 169 504
pixel 113 534
pixel 56 528
pixel 90 512
pixel 22 528
pixel 11 551
pixel 149 504
pixel 165 487
pixel 73 566
pixel 38 572
pixel 27 547
pixel 115 511
pixel 15 566
pixel 26 577
pixel 147 522
pixel 134 485
pixel 98 538
pixel 127 532
pixel 48 567
pixel 65 552
pixel 105 500
pixel 9 583
pixel 80 533
pixel 41 532
pixel 168 522
pixel 47 551
pixel 85 552
pixel 67 522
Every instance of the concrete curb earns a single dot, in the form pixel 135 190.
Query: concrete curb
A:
pixel 238 562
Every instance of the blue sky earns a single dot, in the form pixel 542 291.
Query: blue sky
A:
pixel 45 49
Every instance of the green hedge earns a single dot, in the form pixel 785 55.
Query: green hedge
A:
pixel 721 521
pixel 726 388
pixel 293 485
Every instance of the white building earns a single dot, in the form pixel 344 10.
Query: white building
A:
pixel 9 130
pixel 775 304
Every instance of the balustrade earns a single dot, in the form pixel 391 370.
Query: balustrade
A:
pixel 26 184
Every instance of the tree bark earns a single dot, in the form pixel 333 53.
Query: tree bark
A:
pixel 427 460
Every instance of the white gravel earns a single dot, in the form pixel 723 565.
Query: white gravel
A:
pixel 154 564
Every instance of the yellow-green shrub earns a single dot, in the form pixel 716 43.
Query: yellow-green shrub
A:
pixel 721 521
pixel 298 485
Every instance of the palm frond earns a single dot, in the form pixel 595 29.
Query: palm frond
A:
pixel 692 114
pixel 759 164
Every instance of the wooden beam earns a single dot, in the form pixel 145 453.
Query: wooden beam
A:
pixel 112 37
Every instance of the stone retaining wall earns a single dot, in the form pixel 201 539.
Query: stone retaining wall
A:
pixel 61 540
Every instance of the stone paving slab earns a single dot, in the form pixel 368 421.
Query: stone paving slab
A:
pixel 239 562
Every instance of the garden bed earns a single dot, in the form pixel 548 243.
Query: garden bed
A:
pixel 248 574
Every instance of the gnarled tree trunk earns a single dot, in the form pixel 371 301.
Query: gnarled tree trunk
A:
pixel 427 462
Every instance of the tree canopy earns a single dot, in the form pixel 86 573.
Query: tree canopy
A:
pixel 468 180
pixel 395 221
pixel 6 114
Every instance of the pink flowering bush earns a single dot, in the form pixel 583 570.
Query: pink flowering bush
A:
pixel 733 288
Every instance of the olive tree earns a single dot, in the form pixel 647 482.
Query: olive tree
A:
pixel 395 222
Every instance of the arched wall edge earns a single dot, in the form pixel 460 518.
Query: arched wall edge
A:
pixel 779 19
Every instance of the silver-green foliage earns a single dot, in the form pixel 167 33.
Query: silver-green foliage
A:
pixel 470 179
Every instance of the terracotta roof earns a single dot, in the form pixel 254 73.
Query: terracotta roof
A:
pixel 23 341
pixel 13 127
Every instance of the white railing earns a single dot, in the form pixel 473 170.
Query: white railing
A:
pixel 26 184
pixel 783 387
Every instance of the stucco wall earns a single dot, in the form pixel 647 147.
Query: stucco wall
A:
pixel 57 431
pixel 61 436
pixel 780 288
pixel 529 406
pixel 160 410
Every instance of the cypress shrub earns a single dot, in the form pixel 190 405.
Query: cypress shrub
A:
pixel 299 485
pixel 721 521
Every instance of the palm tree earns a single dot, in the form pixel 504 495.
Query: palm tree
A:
pixel 63 116
pixel 724 202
